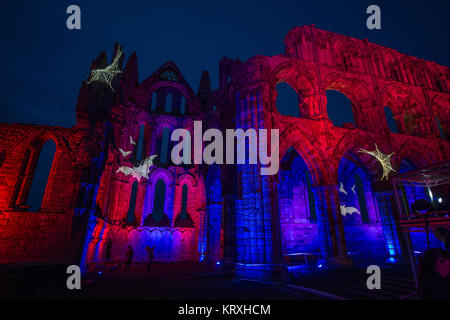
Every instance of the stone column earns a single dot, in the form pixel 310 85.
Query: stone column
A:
pixel 229 230
pixel 329 219
pixel 202 234
pixel 391 230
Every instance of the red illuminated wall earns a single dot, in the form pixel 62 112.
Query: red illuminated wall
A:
pixel 84 182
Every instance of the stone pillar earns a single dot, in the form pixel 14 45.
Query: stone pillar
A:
pixel 329 220
pixel 258 248
pixel 202 234
pixel 229 230
pixel 312 107
pixel 213 227
pixel 391 230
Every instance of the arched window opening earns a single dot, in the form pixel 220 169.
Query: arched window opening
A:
pixel 164 145
pixel 132 205
pixel 183 219
pixel 358 211
pixel 297 208
pixel 311 199
pixel 390 120
pixel 168 104
pixel 339 109
pixel 158 201
pixel 153 105
pixel 287 100
pixel 41 175
pixel 184 197
pixel 183 105
pixel 361 199
pixel 140 147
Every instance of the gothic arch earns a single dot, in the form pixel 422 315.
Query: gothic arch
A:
pixel 296 75
pixel 421 154
pixel 356 89
pixel 350 144
pixel 309 149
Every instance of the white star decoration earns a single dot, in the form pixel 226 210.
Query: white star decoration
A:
pixel 385 160
pixel 107 74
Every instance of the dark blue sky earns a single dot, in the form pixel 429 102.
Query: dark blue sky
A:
pixel 43 63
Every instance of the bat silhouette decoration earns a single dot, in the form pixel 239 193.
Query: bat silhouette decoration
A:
pixel 353 189
pixel 348 210
pixel 141 171
pixel 124 153
pixel 341 188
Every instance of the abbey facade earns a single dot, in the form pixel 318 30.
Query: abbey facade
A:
pixel 327 201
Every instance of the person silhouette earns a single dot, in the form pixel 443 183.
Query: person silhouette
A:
pixel 129 255
pixel 434 279
pixel 151 255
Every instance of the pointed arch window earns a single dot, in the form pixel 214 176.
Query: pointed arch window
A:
pixel 131 217
pixel 183 105
pixel 43 162
pixel 140 146
pixel 163 145
pixel 159 200
pixel 390 120
pixel 361 198
pixel 184 199
pixel 153 105
pixel 168 104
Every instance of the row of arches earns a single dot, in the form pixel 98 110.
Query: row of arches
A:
pixel 342 112
pixel 366 236
pixel 168 100
pixel 159 144
pixel 158 215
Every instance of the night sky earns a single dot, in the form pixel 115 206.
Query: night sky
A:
pixel 44 63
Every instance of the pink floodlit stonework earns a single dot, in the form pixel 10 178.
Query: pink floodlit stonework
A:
pixel 92 210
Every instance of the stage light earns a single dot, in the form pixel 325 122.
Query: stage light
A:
pixel 320 266
pixel 392 260
pixel 440 200
pixel 430 194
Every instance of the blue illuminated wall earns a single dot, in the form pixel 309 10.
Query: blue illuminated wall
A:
pixel 299 230
pixel 363 229
pixel 210 245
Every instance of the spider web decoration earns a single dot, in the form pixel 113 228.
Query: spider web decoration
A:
pixel 384 159
pixel 106 75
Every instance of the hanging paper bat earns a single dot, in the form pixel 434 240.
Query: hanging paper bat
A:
pixel 141 171
pixel 341 189
pixel 348 210
pixel 124 153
